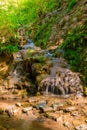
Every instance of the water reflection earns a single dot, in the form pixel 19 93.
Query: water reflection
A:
pixel 37 126
pixel 7 123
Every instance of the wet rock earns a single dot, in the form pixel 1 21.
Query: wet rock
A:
pixel 58 105
pixel 79 95
pixel 39 78
pixel 74 113
pixel 70 102
pixel 76 123
pixel 25 110
pixel 32 100
pixel 67 124
pixel 54 116
pixel 59 119
pixel 29 44
pixel 69 109
pixel 18 104
pixel 81 127
pixel 40 119
pixel 40 68
pixel 9 110
pixel 12 110
pixel 40 105
pixel 46 109
pixel 17 56
pixel 17 112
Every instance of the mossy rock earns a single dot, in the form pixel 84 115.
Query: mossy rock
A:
pixel 41 68
pixel 39 78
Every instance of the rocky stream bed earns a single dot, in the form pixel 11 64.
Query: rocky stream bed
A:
pixel 38 87
pixel 52 112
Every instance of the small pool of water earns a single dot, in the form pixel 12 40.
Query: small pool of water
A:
pixel 7 123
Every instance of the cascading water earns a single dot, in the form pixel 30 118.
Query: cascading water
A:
pixel 61 80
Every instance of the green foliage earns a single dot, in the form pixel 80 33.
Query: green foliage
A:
pixel 71 3
pixel 75 48
pixel 26 13
pixel 39 58
pixel 85 90
pixel 42 34
pixel 8 48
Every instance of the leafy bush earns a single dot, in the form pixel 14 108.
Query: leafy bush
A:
pixel 75 48
pixel 8 48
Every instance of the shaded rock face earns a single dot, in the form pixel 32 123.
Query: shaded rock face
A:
pixel 5 61
pixel 17 74
pixel 5 64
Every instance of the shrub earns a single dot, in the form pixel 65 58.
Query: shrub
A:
pixel 75 50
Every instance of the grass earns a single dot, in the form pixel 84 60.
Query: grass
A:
pixel 71 3
pixel 25 13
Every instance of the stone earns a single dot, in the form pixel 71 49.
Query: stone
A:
pixel 79 95
pixel 12 110
pixel 18 104
pixel 17 112
pixel 59 119
pixel 54 116
pixel 40 105
pixel 69 109
pixel 57 105
pixel 29 44
pixel 70 102
pixel 9 110
pixel 74 113
pixel 76 122
pixel 46 109
pixel 32 100
pixel 67 124
pixel 26 109
pixel 81 127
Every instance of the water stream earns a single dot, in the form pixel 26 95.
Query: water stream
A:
pixel 59 80
pixel 7 123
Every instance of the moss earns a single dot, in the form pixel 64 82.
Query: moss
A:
pixel 85 90
pixel 41 59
